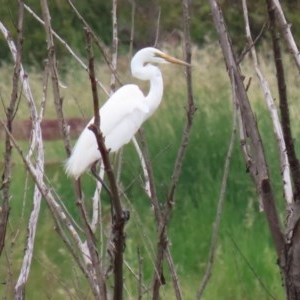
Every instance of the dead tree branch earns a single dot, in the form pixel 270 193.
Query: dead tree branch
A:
pixel 286 32
pixel 257 166
pixel 277 128
pixel 54 76
pixel 283 101
pixel 59 215
pixel 10 113
pixel 100 45
pixel 292 256
pixel 190 111
pixel 119 217
pixel 65 44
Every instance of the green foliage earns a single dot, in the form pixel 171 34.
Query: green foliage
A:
pixel 63 21
pixel 146 20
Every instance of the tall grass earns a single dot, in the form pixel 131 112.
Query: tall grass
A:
pixel 245 263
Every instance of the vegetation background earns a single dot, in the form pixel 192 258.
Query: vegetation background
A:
pixel 245 265
pixel 98 15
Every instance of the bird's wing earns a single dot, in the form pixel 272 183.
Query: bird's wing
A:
pixel 121 105
pixel 120 118
pixel 122 115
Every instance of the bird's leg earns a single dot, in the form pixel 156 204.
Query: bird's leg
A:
pixel 94 172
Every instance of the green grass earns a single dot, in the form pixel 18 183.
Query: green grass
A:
pixel 245 263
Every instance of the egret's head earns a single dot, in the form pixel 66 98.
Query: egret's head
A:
pixel 161 57
pixel 154 56
pixel 142 62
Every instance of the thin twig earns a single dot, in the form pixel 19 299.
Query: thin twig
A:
pixel 65 44
pixel 172 268
pixel 249 46
pixel 286 32
pixel 96 199
pixel 140 274
pixel 157 28
pixel 114 46
pixel 144 167
pixel 256 275
pixel 190 111
pixel 64 128
pixel 148 173
pixel 132 28
pixel 216 227
pixel 100 45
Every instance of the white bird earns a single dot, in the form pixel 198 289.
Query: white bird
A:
pixel 123 113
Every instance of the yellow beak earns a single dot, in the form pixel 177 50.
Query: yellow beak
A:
pixel 172 60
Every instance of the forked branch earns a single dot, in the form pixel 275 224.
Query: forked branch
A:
pixel 119 217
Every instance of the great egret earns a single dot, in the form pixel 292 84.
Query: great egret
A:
pixel 124 112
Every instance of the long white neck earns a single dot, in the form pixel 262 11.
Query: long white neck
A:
pixel 153 74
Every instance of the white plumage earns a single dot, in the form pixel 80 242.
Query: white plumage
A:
pixel 123 113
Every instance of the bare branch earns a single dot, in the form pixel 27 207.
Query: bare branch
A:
pixel 57 212
pixel 157 28
pixel 216 227
pixel 190 111
pixel 10 112
pixel 144 167
pixel 65 44
pixel 191 107
pixel 54 76
pixel 286 32
pixel 119 218
pixel 284 108
pixel 97 201
pixel 249 46
pixel 149 176
pixel 100 45
pixel 140 275
pixel 291 278
pixel 175 278
pixel 285 167
pixel 114 46
pixel 257 166
pixel 132 27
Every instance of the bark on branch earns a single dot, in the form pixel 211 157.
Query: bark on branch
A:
pixel 166 213
pixel 119 217
pixel 277 128
pixel 10 113
pixel 257 164
pixel 292 256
